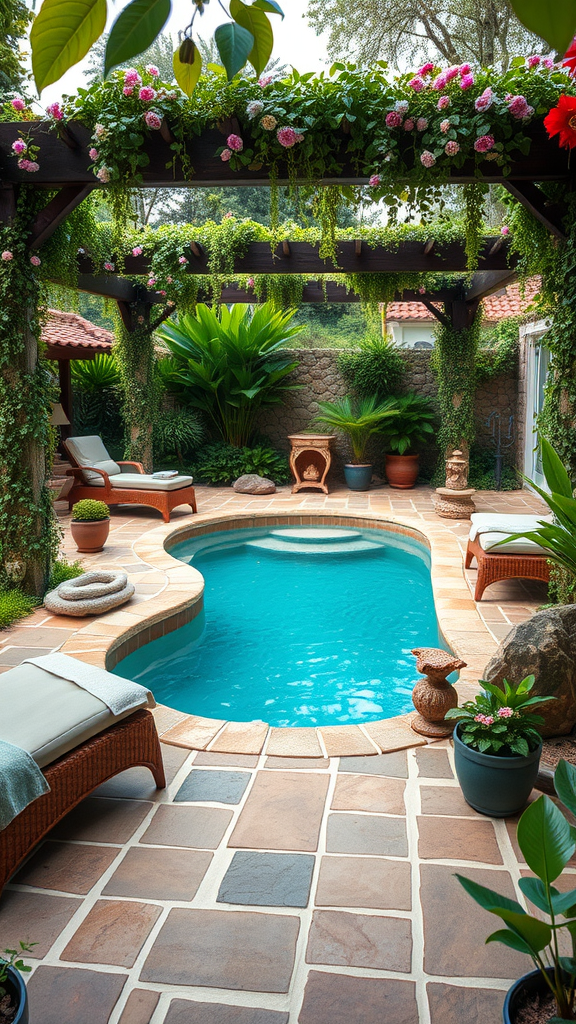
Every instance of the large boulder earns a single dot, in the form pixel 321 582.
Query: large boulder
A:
pixel 545 647
pixel 251 483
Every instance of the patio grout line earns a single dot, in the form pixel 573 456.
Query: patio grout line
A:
pixel 413 808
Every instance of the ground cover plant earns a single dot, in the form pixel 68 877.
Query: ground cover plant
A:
pixel 14 605
pixel 219 463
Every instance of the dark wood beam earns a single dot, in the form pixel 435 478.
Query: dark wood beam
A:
pixel 461 313
pixel 484 284
pixel 549 214
pixel 110 287
pixel 438 313
pixel 7 202
pixel 56 211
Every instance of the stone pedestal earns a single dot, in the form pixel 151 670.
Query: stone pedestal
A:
pixel 433 696
pixel 452 504
pixel 310 459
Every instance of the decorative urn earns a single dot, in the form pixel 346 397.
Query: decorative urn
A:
pixel 433 696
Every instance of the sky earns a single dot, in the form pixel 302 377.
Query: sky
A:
pixel 295 43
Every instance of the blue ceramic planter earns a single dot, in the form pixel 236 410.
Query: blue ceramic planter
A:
pixel 358 477
pixel 17 989
pixel 529 984
pixel 498 786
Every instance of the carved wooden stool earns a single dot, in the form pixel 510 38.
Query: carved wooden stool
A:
pixel 434 696
pixel 310 460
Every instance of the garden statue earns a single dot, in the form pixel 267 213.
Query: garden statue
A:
pixel 456 471
pixel 454 501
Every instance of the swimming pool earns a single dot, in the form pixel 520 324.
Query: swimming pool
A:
pixel 302 626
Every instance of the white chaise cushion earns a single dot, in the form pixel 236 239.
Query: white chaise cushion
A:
pixel 90 451
pixel 488 528
pixel 47 715
pixel 144 482
pixel 522 546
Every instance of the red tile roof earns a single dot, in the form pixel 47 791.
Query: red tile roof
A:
pixel 508 302
pixel 67 331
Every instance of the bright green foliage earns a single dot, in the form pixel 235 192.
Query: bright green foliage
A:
pixel 134 30
pixel 376 368
pixel 13 958
pixel 414 424
pixel 254 20
pixel 498 349
pixel 93 374
pixel 63 570
pixel 454 365
pixel 547 842
pixel 177 435
pixel 62 33
pixel 506 734
pixel 223 464
pixel 14 19
pixel 231 363
pixel 14 605
pixel 359 420
pixel 187 74
pixel 89 510
pixel 97 396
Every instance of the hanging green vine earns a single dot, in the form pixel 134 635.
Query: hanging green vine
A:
pixel 454 365
pixel 134 351
pixel 474 198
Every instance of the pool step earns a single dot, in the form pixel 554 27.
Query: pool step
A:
pixel 319 535
pixel 314 542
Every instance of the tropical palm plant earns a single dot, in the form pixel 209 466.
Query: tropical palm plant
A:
pixel 360 420
pixel 230 364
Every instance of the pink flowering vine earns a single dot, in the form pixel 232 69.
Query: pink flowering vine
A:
pixel 147 94
pixel 182 260
pixel 55 111
pixel 393 119
pixel 153 120
pixel 225 155
pixel 250 282
pixel 103 175
pixel 18 103
pixel 417 84
pixel 35 261
pixel 7 255
pixel 375 180
pixel 151 282
pixel 235 143
pixel 137 250
pixel 19 146
pixel 28 165
pixel 484 143
pixel 93 154
pixel 427 158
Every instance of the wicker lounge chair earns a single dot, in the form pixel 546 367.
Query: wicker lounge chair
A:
pixel 90 746
pixel 517 559
pixel 96 475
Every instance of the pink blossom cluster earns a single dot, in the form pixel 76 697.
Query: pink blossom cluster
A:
pixel 451 148
pixel 519 107
pixel 7 255
pixel 409 124
pixel 225 155
pixel 108 266
pixel 131 77
pixel 137 250
pixel 147 94
pixel 417 83
pixel 153 120
pixel 505 712
pixel 485 100
pixel 35 261
pixel 55 111
pixel 182 260
pixel 151 282
pixel 401 106
pixel 28 165
pixel 288 137
pixel 151 69
pixel 427 159
pixel 103 175
pixel 93 154
pixel 443 102
pixel 393 119
pixel 250 282
pixel 484 143
pixel 533 61
pixel 264 81
pixel 426 69
pixel 421 124
pixel 18 103
pixel 235 143
pixel 444 126
pixel 505 230
pixel 375 180
pixel 484 719
pixel 19 146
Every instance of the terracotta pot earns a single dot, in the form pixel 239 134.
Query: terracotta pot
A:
pixel 90 535
pixel 402 470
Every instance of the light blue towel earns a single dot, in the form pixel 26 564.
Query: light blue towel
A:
pixel 21 781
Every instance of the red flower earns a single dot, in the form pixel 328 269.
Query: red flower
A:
pixel 569 59
pixel 561 121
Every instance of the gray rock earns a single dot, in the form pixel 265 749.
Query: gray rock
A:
pixel 543 646
pixel 251 483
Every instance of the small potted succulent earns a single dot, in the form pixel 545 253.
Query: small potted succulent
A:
pixel 13 995
pixel 411 428
pixel 90 525
pixel 497 747
pixel 548 842
pixel 359 421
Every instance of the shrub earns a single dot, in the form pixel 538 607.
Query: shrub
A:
pixel 63 570
pixel 177 434
pixel 377 368
pixel 413 426
pixel 223 463
pixel 89 510
pixel 14 605
pixel 98 399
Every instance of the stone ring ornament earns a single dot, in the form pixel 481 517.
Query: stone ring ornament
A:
pixel 90 594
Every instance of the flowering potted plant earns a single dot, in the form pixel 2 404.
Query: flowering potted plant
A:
pixel 90 525
pixel 13 995
pixel 547 842
pixel 497 747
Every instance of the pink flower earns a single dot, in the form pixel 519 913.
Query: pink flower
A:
pixel 250 282
pixel 137 250
pixel 466 81
pixel 146 94
pixel 162 292
pixel 375 180
pixel 440 82
pixel 151 282
pixel 35 261
pixel 421 124
pixel 128 90
pixel 409 124
pixel 235 143
pixel 485 100
pixel 254 108
pixel 228 215
pixel 533 61
pixel 464 69
pixel 19 146
pixel 505 230
pixel 169 280
pixel 152 120
pixel 93 154
pixel 263 82
pixel 55 111
pixel 444 126
pixel 103 175
pixel 108 266
pixel 451 148
pixel 443 103
pixel 182 260
pixel 484 143
pixel 287 137
pixel 519 107
pixel 488 720
pixel 548 62
pixel 140 319
pixel 426 69
pixel 28 165
pixel 479 718
pixel 427 158
pixel 225 155
pixel 18 103
pixel 422 290
pixel 417 84
pixel 452 72
pixel 100 131
pixel 505 712
pixel 393 119
pixel 131 77
pixel 151 69
pixel 401 106
pixel 7 256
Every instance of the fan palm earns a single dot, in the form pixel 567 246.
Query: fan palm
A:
pixel 359 420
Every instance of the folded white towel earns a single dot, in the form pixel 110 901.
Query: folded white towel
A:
pixel 165 474
pixel 118 694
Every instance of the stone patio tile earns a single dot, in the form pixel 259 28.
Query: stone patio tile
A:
pixel 138 783
pixel 445 800
pixel 139 1007
pixel 367 833
pixel 360 940
pixel 16 655
pixel 200 827
pixel 393 734
pixel 103 820
pixel 395 765
pixel 210 757
pixel 165 718
pixel 369 793
pixel 183 1011
pixel 293 742
pixel 153 874
pixel 40 636
pixel 67 867
pixel 213 786
pixel 455 927
pixel 193 732
pixel 283 811
pixel 453 1004
pixel 344 740
pixel 370 882
pixel 57 995
pixel 268 879
pixel 34 917
pixel 458 839
pixel 224 949
pixel 112 933
pixel 335 999
pixel 433 763
pixel 297 762
pixel 241 738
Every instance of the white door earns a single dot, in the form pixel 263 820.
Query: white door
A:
pixel 538 364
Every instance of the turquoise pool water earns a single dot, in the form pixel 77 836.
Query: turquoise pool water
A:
pixel 300 627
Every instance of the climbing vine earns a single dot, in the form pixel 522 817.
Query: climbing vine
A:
pixel 134 351
pixel 454 365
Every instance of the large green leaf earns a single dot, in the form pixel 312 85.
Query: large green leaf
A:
pixel 556 476
pixel 565 784
pixel 545 838
pixel 187 75
pixel 269 5
pixel 135 29
pixel 234 45
pixel 487 898
pixel 256 22
pixel 62 33
pixel 555 22
pixel 510 939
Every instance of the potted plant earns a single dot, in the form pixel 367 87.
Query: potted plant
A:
pixel 547 842
pixel 90 525
pixel 497 747
pixel 410 429
pixel 13 995
pixel 359 421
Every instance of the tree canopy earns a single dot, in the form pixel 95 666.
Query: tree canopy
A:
pixel 14 19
